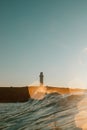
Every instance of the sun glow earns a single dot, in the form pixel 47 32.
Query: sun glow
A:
pixel 81 117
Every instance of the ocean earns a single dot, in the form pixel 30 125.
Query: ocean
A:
pixel 54 112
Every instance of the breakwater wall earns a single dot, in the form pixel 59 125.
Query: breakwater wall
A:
pixel 23 94
pixel 14 94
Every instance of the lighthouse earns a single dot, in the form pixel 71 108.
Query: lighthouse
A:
pixel 41 76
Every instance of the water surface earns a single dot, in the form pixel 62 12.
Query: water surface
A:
pixel 54 112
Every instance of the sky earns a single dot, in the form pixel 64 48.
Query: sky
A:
pixel 48 36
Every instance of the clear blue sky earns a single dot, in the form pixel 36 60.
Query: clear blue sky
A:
pixel 43 35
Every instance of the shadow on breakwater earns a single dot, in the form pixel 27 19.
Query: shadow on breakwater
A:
pixel 14 94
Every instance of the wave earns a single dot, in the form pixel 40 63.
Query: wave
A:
pixel 54 112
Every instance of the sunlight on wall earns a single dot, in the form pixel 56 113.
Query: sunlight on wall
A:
pixel 37 92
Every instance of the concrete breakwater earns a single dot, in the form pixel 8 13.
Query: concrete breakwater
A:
pixel 14 94
pixel 23 94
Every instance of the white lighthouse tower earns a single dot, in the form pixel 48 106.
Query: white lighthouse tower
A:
pixel 41 76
